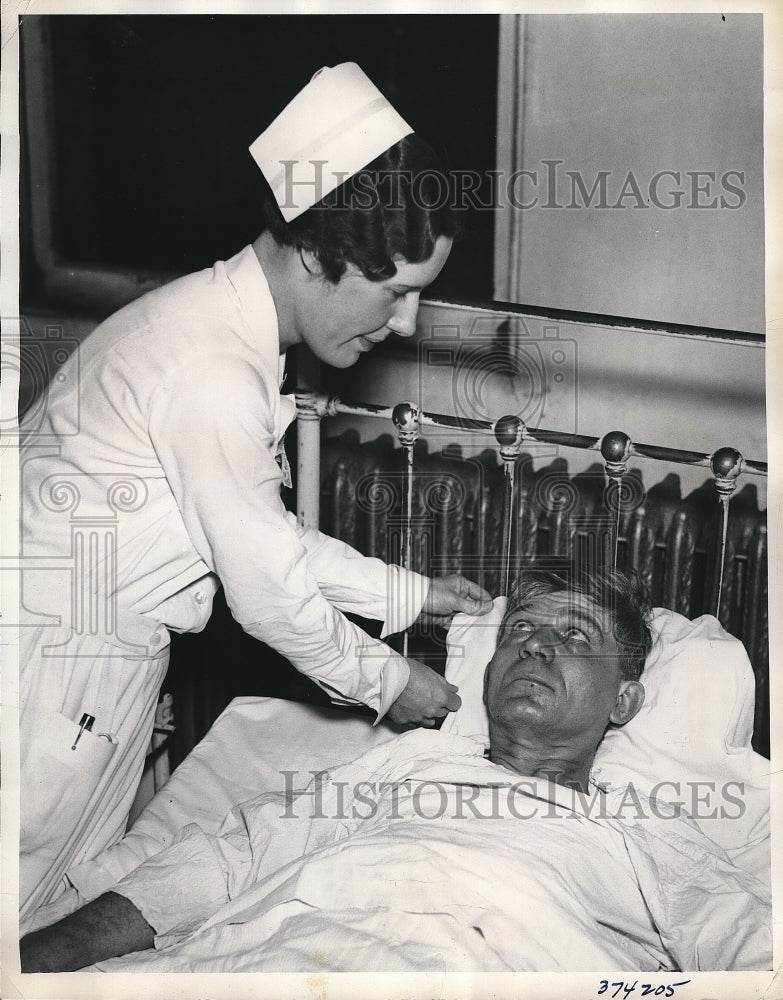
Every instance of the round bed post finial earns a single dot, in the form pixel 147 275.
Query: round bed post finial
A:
pixel 616 450
pixel 616 447
pixel 406 417
pixel 510 432
pixel 726 465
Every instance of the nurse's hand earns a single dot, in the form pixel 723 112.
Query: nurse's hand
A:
pixel 449 594
pixel 426 698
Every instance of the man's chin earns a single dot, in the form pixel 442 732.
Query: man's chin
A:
pixel 526 710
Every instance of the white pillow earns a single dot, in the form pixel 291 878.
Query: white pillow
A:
pixel 470 645
pixel 689 743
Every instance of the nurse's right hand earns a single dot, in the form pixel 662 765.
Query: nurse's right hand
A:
pixel 426 698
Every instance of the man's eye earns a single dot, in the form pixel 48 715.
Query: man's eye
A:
pixel 574 635
pixel 521 627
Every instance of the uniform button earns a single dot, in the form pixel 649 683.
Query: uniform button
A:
pixel 201 597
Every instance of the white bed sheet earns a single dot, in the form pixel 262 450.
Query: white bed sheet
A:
pixel 245 751
pixel 252 742
pixel 388 869
pixel 257 739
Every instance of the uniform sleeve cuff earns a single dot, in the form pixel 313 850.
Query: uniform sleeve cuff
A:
pixel 91 879
pixel 406 594
pixel 394 679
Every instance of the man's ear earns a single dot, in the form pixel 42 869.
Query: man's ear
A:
pixel 630 699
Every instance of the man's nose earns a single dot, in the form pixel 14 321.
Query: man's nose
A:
pixel 403 322
pixel 541 643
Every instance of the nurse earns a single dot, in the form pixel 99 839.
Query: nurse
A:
pixel 155 477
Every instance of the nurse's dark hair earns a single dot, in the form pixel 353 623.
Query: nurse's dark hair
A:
pixel 620 594
pixel 397 206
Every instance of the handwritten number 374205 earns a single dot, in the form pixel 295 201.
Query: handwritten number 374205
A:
pixel 647 989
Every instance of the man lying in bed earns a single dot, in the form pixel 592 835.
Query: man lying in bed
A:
pixel 427 854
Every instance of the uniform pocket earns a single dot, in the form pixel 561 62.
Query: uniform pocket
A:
pixel 60 794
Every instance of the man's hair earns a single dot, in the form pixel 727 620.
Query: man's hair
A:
pixel 621 595
pixel 397 206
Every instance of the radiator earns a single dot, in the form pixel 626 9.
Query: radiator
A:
pixel 457 515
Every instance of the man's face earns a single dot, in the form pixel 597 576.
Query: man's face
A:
pixel 556 671
pixel 341 322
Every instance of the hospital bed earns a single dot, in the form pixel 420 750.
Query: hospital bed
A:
pixel 693 737
pixel 689 746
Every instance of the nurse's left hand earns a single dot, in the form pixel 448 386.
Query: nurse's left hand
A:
pixel 426 698
pixel 451 594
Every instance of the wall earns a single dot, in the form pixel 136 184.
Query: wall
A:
pixel 681 390
pixel 634 94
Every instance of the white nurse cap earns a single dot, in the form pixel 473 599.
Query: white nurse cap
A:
pixel 334 126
